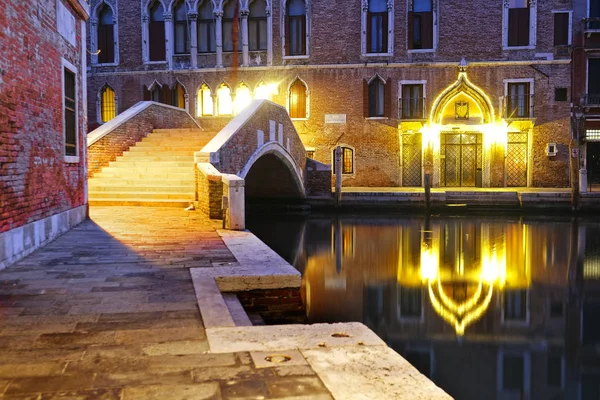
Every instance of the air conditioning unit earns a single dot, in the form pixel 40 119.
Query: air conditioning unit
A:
pixel 551 149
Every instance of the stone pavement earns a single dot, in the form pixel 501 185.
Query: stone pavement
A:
pixel 108 311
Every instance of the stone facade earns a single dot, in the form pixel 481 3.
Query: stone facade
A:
pixel 334 71
pixel 42 173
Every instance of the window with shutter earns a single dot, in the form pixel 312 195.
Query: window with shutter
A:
pixel 376 94
pixel 156 30
pixel 70 107
pixel 561 29
pixel 106 36
pixel 257 26
pixel 231 26
pixel 518 23
pixel 295 20
pixel 420 25
pixel 377 27
pixel 297 99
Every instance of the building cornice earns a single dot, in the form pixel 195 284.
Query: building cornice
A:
pixel 81 7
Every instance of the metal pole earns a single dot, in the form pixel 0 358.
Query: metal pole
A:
pixel 428 193
pixel 338 176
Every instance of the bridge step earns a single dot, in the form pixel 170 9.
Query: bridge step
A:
pixel 157 172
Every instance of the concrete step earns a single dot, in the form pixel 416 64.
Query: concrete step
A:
pixel 182 132
pixel 169 144
pixel 151 158
pixel 136 182
pixel 131 163
pixel 140 203
pixel 105 187
pixel 148 177
pixel 97 195
pixel 164 149
pixel 150 168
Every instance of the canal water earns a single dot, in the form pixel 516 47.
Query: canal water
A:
pixel 487 307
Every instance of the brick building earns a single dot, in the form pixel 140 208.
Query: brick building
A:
pixel 42 122
pixel 406 88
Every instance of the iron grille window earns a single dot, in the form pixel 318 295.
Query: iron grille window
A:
pixel 206 28
pixel 297 100
pixel 295 35
pixel 518 23
pixel 70 114
pixel 420 25
pixel 107 104
pixel 156 32
pixel 347 160
pixel 519 100
pixel 232 34
pixel 412 102
pixel 257 26
pixel 106 36
pixel 377 27
pixel 592 135
pixel 515 305
pixel 181 29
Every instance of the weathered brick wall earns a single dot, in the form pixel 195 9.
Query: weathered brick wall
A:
pixel 318 178
pixel 209 191
pixel 275 306
pixel 131 131
pixel 35 180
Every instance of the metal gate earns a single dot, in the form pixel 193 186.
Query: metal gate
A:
pixel 516 159
pixel 461 159
pixel 411 159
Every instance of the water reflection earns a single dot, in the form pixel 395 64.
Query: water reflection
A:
pixel 486 307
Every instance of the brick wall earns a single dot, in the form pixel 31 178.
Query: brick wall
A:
pixel 209 190
pixel 275 306
pixel 35 180
pixel 318 179
pixel 131 130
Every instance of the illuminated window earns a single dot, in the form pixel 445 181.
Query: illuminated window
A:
pixel 420 25
pixel 70 113
pixel 376 95
pixel 264 91
pixel 106 35
pixel 377 27
pixel 297 100
pixel 347 160
pixel 257 26
pixel 178 96
pixel 310 154
pixel 206 28
pixel 515 305
pixel 242 98
pixel 224 103
pixel 181 29
pixel 156 32
pixel 107 104
pixel 519 14
pixel 592 135
pixel 412 102
pixel 295 28
pixel 231 26
pixel 205 101
pixel 518 100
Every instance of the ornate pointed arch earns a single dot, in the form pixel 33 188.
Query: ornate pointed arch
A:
pixel 297 78
pixel 172 4
pixel 98 7
pixel 462 86
pixel 376 76
pixel 148 3
pixel 155 84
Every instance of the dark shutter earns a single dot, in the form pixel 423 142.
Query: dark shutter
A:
pixel 523 26
pixel 303 30
pixel 411 27
pixel 147 95
pixel 157 41
pixel 369 30
pixel 287 35
pixel 102 43
pixel 384 33
pixel 427 30
pixel 110 44
pixel 387 99
pixel 561 29
pixel 365 98
pixel 70 107
pixel 166 95
pixel 513 27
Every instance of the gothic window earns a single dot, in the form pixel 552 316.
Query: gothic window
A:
pixel 156 32
pixel 108 109
pixel 297 99
pixel 257 26
pixel 376 98
pixel 181 29
pixel 231 26
pixel 178 96
pixel 420 25
pixel 295 28
pixel 377 27
pixel 224 102
pixel 206 28
pixel 205 101
pixel 106 35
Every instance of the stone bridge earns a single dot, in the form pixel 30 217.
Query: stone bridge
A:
pixel 257 155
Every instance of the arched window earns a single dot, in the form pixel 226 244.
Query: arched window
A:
pixel 257 26
pixel 181 29
pixel 224 103
pixel 377 27
pixel 347 160
pixel 178 96
pixel 205 101
pixel 295 28
pixel 106 35
pixel 108 109
pixel 231 26
pixel 242 98
pixel 263 91
pixel 156 32
pixel 376 98
pixel 155 94
pixel 206 28
pixel 297 100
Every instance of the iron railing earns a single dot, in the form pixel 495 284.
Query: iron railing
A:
pixel 411 108
pixel 518 106
pixel 591 24
pixel 591 99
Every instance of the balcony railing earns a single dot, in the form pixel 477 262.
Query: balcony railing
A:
pixel 591 100
pixel 411 108
pixel 591 24
pixel 518 106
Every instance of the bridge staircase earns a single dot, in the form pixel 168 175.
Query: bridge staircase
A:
pixel 158 171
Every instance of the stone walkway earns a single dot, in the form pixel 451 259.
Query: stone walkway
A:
pixel 108 311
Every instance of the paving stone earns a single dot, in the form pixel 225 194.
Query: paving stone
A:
pixel 179 392
pixel 294 370
pixel 75 338
pixel 177 348
pixel 296 386
pixel 96 394
pixel 250 389
pixel 159 335
pixel 33 369
pixel 235 373
pixel 32 356
pixel 64 382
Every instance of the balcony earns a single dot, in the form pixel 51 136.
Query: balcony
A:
pixel 518 106
pixel 411 108
pixel 591 24
pixel 591 100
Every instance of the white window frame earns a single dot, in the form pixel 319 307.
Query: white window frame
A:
pixel 511 322
pixel 526 370
pixel 287 99
pixel 390 33
pixel 570 12
pixel 94 34
pixel 307 28
pixel 377 76
pixel 342 145
pixel 67 65
pixel 531 92
pixel 532 27
pixel 146 33
pixel 186 95
pixel 434 6
pixel 199 113
pixel 99 103
pixel 409 82
pixel 587 14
